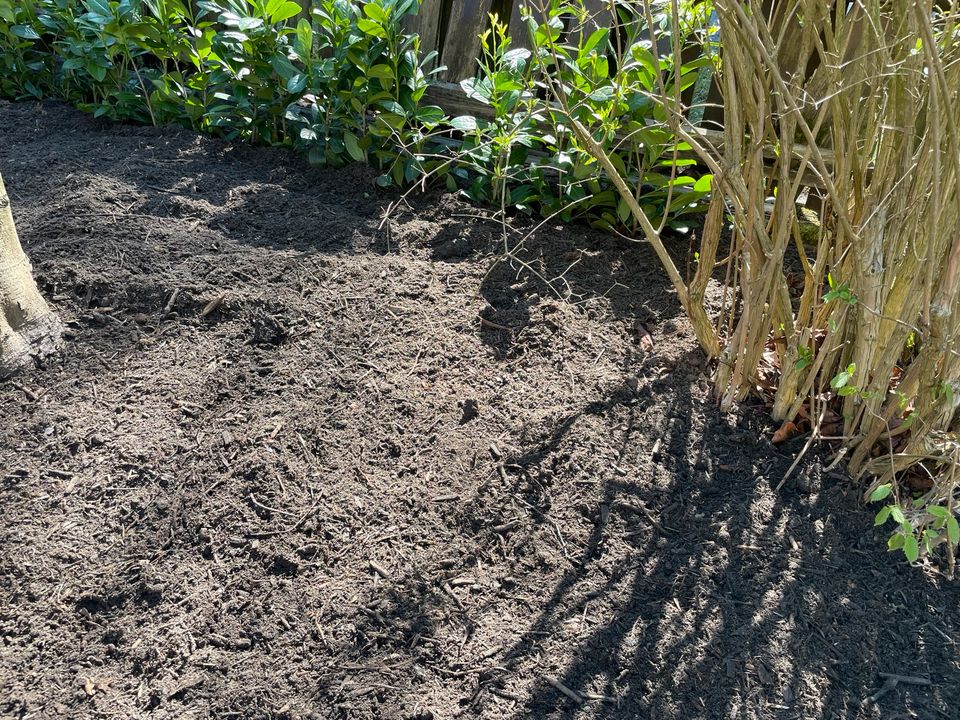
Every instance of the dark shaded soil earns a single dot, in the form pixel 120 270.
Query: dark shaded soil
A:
pixel 335 492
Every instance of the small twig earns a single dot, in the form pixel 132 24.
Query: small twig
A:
pixel 838 458
pixel 31 396
pixel 283 531
pixel 942 634
pixel 951 555
pixel 449 591
pixel 796 461
pixel 268 508
pixel 891 680
pixel 600 698
pixel 564 689
pixel 549 520
pixel 813 436
pixel 490 324
pixel 887 687
pixel 906 679
pixel 504 694
pixel 642 509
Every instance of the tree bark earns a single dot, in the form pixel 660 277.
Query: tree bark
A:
pixel 29 330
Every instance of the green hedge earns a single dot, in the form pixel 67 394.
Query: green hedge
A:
pixel 349 84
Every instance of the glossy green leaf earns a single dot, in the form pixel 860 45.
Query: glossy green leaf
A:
pixel 381 72
pixel 304 39
pixel 953 530
pixel 373 11
pixel 464 123
pixel 910 548
pixel 883 515
pixel 393 120
pixel 430 115
pixel 353 146
pixel 392 106
pixel 370 27
pixel 283 67
pixel 516 59
pixel 280 10
pixel 595 39
pixel 25 31
pixel 297 83
pixel 603 94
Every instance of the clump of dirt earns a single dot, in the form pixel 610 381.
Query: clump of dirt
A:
pixel 296 463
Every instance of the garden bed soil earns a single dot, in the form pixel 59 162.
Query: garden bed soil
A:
pixel 298 462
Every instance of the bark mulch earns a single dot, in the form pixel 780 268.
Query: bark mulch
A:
pixel 297 464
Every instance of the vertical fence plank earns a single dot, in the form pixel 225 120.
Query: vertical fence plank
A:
pixel 426 24
pixel 468 18
pixel 518 30
pixel 305 7
pixel 598 16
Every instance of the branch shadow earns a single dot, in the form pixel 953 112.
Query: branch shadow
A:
pixel 737 601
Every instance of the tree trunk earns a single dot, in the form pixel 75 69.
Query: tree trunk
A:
pixel 28 329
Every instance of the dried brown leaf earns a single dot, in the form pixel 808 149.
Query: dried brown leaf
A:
pixel 786 431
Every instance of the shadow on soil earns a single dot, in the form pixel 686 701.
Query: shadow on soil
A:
pixel 716 611
pixel 736 601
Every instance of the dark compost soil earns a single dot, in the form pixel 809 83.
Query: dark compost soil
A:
pixel 284 470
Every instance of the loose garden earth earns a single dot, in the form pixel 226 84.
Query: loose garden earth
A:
pixel 300 463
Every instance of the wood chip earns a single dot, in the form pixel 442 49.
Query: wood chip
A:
pixel 379 570
pixel 212 305
pixel 600 698
pixel 171 302
pixel 643 336
pixel 764 673
pixel 449 591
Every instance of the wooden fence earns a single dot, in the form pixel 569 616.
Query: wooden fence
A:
pixel 453 27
